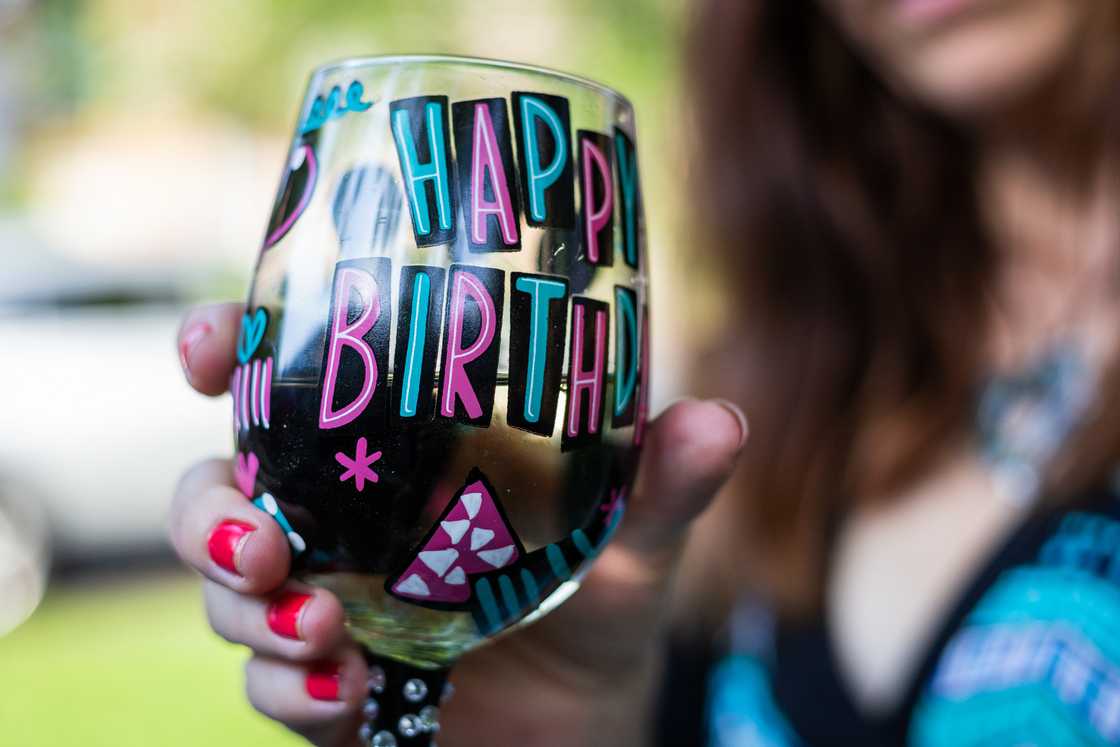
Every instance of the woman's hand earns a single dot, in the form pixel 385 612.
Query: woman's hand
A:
pixel 582 675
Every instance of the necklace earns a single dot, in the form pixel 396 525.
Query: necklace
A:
pixel 1022 419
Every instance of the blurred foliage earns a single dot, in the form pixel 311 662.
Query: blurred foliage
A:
pixel 92 70
pixel 126 665
pixel 247 59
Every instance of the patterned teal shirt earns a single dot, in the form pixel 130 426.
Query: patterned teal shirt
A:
pixel 1030 657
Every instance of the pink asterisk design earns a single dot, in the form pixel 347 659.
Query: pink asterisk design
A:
pixel 358 467
pixel 618 495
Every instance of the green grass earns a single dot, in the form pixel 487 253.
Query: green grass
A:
pixel 127 663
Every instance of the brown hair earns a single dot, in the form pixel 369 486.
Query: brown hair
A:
pixel 849 222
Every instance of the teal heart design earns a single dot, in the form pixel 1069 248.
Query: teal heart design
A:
pixel 252 332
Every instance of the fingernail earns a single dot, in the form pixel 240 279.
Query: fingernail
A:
pixel 191 337
pixel 731 407
pixel 284 613
pixel 322 682
pixel 225 542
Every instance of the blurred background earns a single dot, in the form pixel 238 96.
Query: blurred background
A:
pixel 140 146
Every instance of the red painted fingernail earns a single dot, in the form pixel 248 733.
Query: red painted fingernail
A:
pixel 284 612
pixel 322 682
pixel 226 540
pixel 191 337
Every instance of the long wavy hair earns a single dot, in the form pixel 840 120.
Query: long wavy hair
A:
pixel 848 220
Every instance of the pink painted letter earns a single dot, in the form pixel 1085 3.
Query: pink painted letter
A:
pixel 596 218
pixel 456 383
pixel 581 379
pixel 350 280
pixel 486 160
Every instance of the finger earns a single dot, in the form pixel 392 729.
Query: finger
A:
pixel 225 537
pixel 308 695
pixel 207 343
pixel 297 622
pixel 691 450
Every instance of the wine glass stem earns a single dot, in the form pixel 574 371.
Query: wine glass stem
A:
pixel 402 706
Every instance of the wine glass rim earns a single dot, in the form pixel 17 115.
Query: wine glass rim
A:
pixel 396 59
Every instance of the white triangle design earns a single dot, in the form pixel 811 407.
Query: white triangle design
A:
pixel 480 536
pixel 297 159
pixel 499 557
pixel 439 560
pixel 457 577
pixel 415 586
pixel 269 503
pixel 472 502
pixel 456 529
pixel 297 542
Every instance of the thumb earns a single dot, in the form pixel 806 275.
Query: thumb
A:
pixel 690 452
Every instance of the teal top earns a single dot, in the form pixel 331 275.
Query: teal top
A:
pixel 1030 656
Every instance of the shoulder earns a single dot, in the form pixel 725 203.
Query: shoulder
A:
pixel 1037 660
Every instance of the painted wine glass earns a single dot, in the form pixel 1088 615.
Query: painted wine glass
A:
pixel 443 363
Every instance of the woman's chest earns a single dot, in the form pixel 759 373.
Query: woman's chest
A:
pixel 897 571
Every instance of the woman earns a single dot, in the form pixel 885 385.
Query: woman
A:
pixel 917 200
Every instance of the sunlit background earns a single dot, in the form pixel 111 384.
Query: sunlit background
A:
pixel 140 146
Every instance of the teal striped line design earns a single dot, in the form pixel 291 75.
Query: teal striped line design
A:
pixel 582 543
pixel 531 591
pixel 509 595
pixel 485 596
pixel 557 562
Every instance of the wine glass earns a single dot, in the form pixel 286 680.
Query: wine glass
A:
pixel 443 364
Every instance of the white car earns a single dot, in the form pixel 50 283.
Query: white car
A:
pixel 96 421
